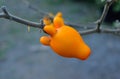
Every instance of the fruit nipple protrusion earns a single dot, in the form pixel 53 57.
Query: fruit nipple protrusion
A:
pixel 58 20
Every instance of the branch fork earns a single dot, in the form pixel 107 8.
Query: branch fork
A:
pixel 98 29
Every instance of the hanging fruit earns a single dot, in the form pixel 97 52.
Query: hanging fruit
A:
pixel 63 39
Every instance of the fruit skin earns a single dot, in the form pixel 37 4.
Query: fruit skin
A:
pixel 64 40
pixel 45 40
pixel 58 20
pixel 67 42
pixel 49 27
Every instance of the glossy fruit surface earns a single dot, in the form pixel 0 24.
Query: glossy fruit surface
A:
pixel 65 40
pixel 49 28
pixel 45 40
pixel 58 20
pixel 68 43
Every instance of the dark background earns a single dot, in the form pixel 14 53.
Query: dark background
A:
pixel 23 57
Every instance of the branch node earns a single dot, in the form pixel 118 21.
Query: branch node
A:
pixel 4 9
pixel 98 29
pixel 42 24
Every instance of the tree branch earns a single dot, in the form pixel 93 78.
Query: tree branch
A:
pixel 105 11
pixel 5 14
pixel 97 29
pixel 90 31
pixel 98 23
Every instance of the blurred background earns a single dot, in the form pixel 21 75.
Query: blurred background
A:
pixel 23 57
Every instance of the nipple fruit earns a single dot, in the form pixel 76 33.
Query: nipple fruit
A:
pixel 63 39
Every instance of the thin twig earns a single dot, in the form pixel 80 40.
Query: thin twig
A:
pixel 104 13
pixel 98 29
pixel 90 31
pixel 115 31
pixel 7 15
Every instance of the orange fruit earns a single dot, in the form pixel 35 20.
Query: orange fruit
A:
pixel 65 40
pixel 45 40
pixel 49 28
pixel 58 20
